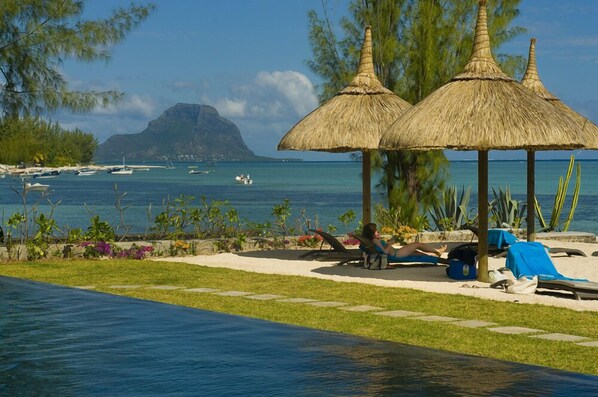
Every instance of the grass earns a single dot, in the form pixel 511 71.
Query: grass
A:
pixel 518 348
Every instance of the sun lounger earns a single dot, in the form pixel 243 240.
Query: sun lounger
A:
pixel 531 259
pixel 337 250
pixel 500 240
pixel 368 247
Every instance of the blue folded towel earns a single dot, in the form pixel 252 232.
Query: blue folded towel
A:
pixel 531 259
pixel 501 238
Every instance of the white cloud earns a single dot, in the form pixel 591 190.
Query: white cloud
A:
pixel 129 105
pixel 231 108
pixel 270 96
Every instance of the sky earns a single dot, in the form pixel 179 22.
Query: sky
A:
pixel 248 59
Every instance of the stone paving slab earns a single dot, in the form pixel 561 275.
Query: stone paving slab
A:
pixel 233 293
pixel 327 304
pixel 297 300
pixel 361 308
pixel 593 343
pixel 560 337
pixel 201 290
pixel 263 297
pixel 166 287
pixel 435 318
pixel 514 330
pixel 125 286
pixel 473 323
pixel 399 313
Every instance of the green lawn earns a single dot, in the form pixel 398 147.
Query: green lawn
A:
pixel 519 348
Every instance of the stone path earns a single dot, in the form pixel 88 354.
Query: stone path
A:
pixel 379 311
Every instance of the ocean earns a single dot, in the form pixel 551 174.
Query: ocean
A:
pixel 318 192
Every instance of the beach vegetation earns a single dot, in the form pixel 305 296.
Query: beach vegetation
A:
pixel 443 336
pixel 31 140
pixel 417 47
pixel 450 212
pixel 506 211
pixel 559 201
pixel 281 213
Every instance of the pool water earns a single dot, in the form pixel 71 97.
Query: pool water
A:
pixel 57 341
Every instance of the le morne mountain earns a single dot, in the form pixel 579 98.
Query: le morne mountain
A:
pixel 184 132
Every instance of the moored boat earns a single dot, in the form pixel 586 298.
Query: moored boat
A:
pixel 244 179
pixel 36 187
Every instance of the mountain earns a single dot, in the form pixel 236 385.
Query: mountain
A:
pixel 184 132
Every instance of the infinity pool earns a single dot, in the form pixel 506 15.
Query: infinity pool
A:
pixel 57 341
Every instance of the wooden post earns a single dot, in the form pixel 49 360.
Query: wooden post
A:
pixel 531 193
pixel 483 215
pixel 366 169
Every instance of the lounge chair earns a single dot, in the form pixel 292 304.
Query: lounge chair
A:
pixel 368 247
pixel 499 241
pixel 531 259
pixel 337 249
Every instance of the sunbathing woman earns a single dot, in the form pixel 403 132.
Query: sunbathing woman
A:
pixel 370 232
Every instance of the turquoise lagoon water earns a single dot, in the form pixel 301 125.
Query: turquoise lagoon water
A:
pixel 325 190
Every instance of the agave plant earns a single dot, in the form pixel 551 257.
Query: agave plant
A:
pixel 559 201
pixel 450 212
pixel 507 212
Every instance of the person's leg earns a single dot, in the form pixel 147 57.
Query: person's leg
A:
pixel 410 248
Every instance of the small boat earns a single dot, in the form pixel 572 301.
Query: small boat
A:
pixel 244 179
pixel 124 170
pixel 121 171
pixel 36 187
pixel 47 174
pixel 170 166
pixel 85 172
pixel 201 171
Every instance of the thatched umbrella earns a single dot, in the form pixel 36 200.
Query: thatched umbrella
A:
pixel 481 109
pixel 352 120
pixel 585 128
pixel 531 80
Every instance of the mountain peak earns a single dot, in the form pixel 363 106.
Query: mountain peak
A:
pixel 184 132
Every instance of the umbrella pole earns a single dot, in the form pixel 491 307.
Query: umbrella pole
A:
pixel 483 215
pixel 366 170
pixel 531 193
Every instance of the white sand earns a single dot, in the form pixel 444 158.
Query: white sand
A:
pixel 432 279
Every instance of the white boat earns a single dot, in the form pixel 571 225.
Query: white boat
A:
pixel 85 172
pixel 200 171
pixel 121 171
pixel 124 170
pixel 244 179
pixel 36 187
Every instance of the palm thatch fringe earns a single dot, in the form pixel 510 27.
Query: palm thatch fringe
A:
pixel 531 80
pixel 352 120
pixel 482 109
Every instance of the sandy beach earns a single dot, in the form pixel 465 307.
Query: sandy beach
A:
pixel 431 279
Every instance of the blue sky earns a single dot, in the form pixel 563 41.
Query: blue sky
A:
pixel 247 58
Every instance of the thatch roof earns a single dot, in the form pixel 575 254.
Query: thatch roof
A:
pixel 354 119
pixel 480 109
pixel 531 80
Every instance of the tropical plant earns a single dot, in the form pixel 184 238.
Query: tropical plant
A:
pixel 506 212
pixel 99 230
pixel 281 213
pixel 37 35
pixel 559 201
pixel 450 211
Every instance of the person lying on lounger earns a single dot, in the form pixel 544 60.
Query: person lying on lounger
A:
pixel 370 231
